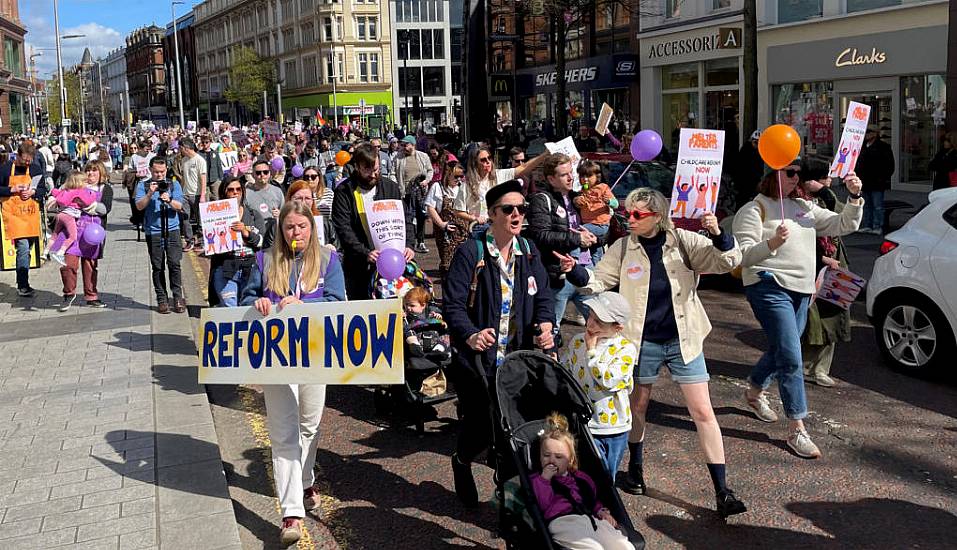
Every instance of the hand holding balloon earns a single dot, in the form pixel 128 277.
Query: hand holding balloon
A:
pixel 390 264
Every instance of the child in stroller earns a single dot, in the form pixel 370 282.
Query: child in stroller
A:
pixel 567 496
pixel 424 329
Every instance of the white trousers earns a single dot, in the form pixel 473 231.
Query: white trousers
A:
pixel 293 413
pixel 576 533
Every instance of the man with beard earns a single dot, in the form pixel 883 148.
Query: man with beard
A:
pixel 353 198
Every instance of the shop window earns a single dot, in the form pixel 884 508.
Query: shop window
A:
pixel 790 11
pixel 861 5
pixel 675 77
pixel 410 81
pixel 620 104
pixel 720 4
pixel 433 80
pixel 721 72
pixel 673 8
pixel 923 113
pixel 679 110
pixel 808 108
pixel 457 42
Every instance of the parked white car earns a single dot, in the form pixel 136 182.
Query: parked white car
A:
pixel 912 294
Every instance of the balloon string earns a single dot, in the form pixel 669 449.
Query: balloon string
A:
pixel 622 174
pixel 781 195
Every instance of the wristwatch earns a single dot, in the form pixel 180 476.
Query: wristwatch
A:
pixel 854 196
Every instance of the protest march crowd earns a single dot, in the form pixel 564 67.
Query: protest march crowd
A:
pixel 318 214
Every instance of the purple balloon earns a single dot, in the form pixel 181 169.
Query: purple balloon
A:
pixel 646 145
pixel 93 235
pixel 277 164
pixel 297 171
pixel 391 264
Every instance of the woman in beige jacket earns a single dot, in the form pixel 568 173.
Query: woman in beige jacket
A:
pixel 656 269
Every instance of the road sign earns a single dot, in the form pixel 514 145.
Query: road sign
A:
pixel 67 123
pixel 362 103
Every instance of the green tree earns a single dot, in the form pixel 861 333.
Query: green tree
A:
pixel 249 76
pixel 72 82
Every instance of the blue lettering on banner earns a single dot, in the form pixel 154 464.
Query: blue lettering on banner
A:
pixel 357 346
pixel 225 329
pixel 238 330
pixel 274 333
pixel 333 340
pixel 299 337
pixel 209 338
pixel 382 344
pixel 257 344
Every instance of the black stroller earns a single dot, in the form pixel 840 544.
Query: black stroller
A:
pixel 529 387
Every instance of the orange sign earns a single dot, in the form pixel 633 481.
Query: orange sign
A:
pixel 860 113
pixel 21 218
pixel 701 140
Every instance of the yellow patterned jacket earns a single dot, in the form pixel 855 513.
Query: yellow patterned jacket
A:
pixel 605 373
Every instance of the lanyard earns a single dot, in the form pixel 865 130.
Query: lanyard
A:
pixel 361 210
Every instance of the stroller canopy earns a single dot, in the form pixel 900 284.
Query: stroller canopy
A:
pixel 529 385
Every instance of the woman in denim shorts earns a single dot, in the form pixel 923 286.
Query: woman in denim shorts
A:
pixel 656 268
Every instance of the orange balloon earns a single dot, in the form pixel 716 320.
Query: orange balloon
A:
pixel 779 145
pixel 342 157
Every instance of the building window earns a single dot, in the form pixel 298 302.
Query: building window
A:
pixel 327 30
pixel 373 67
pixel 366 28
pixel 433 80
pixel 288 39
pixel 291 77
pixel 308 33
pixel 923 112
pixel 307 5
pixel 438 44
pixel 410 81
pixel 309 74
pixel 415 46
pixel 456 80
pixel 427 44
pixel 808 108
pixel 861 5
pixel 673 8
pixel 790 11
pixel 337 72
pixel 458 40
pixel 720 4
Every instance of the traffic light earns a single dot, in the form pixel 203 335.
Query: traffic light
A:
pixel 416 108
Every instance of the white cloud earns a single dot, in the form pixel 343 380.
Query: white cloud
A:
pixel 101 41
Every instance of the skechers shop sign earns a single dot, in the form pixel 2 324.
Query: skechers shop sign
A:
pixel 572 76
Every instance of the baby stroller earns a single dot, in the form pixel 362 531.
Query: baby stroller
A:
pixel 425 382
pixel 530 386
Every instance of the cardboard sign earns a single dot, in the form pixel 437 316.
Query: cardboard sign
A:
pixel 567 146
pixel 239 138
pixel 838 286
pixel 355 342
pixel 297 128
pixel 228 159
pixel 852 139
pixel 387 224
pixel 21 218
pixel 271 129
pixel 698 173
pixel 320 230
pixel 191 125
pixel 216 125
pixel 216 218
pixel 604 118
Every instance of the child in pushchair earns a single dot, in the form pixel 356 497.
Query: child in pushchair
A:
pixel 529 388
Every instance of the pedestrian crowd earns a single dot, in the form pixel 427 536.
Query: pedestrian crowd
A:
pixel 512 255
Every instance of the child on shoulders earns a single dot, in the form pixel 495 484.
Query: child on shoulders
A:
pixel 595 204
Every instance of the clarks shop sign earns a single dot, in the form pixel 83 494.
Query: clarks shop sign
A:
pixel 864 56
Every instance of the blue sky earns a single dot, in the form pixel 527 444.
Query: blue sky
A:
pixel 104 22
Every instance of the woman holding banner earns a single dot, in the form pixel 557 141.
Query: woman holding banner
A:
pixel 229 271
pixel 295 270
pixel 777 232
pixel 656 269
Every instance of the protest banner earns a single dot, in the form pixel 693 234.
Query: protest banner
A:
pixel 191 125
pixel 297 128
pixel 567 146
pixel 852 139
pixel 216 218
pixel 216 125
pixel 228 159
pixel 386 220
pixel 271 129
pixel 239 137
pixel 354 342
pixel 604 118
pixel 698 173
pixel 838 286
pixel 9 252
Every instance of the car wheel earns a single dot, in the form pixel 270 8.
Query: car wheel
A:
pixel 913 336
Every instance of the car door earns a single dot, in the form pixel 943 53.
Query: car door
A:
pixel 944 265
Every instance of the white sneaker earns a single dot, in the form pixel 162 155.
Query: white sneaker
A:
pixel 800 442
pixel 762 409
pixel 67 303
pixel 823 380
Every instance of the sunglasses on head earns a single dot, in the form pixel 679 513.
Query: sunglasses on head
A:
pixel 261 172
pixel 639 215
pixel 791 172
pixel 507 209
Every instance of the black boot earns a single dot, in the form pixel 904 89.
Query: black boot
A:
pixel 634 482
pixel 464 482
pixel 728 504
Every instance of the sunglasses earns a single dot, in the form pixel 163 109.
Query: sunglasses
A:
pixel 639 215
pixel 311 176
pixel 790 172
pixel 234 190
pixel 262 172
pixel 519 161
pixel 485 160
pixel 507 209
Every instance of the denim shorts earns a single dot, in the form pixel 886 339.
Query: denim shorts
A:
pixel 653 356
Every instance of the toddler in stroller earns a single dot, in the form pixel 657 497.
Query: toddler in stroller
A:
pixel 567 496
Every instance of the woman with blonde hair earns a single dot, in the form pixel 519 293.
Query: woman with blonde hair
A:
pixel 656 268
pixel 295 270
pixel 480 176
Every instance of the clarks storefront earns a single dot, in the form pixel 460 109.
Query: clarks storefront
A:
pixel 901 74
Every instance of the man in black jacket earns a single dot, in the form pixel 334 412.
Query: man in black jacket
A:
pixel 214 168
pixel 485 324
pixel 747 170
pixel 366 185
pixel 554 225
pixel 875 166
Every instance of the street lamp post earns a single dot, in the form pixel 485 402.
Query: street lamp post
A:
pixel 179 85
pixel 59 66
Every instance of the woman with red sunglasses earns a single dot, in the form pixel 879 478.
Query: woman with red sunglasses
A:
pixel 656 269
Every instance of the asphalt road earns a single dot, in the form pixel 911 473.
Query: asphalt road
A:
pixel 888 477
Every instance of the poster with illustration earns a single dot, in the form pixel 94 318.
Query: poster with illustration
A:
pixel 216 218
pixel 698 172
pixel 838 286
pixel 386 219
pixel 852 139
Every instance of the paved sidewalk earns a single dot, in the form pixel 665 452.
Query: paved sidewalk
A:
pixel 106 440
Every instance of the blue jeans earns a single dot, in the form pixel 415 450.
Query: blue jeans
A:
pixel 782 314
pixel 228 289
pixel 654 355
pixel 612 448
pixel 873 210
pixel 562 295
pixel 23 247
pixel 599 231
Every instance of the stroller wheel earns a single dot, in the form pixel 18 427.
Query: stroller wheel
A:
pixel 382 401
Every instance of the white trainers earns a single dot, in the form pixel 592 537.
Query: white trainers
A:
pixel 823 380
pixel 800 442
pixel 67 303
pixel 761 407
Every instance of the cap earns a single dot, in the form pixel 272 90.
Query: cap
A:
pixel 493 195
pixel 609 307
pixel 755 135
pixel 409 139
